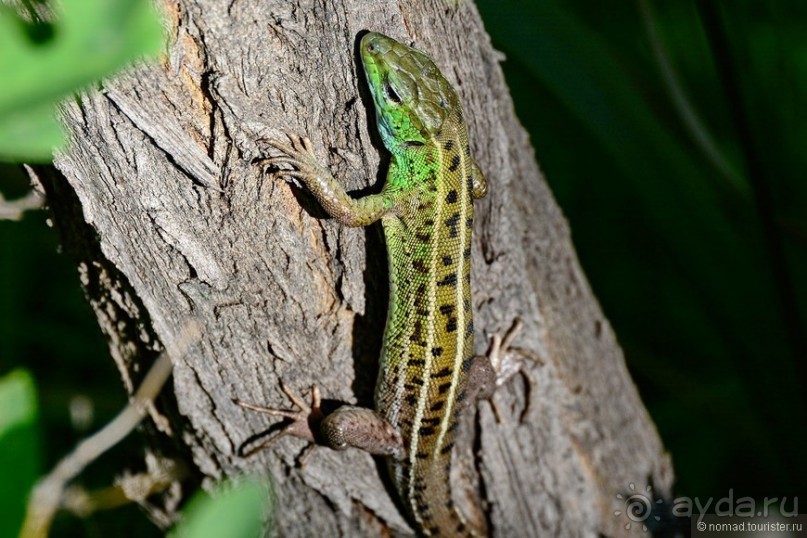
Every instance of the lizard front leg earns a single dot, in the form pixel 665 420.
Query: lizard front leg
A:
pixel 299 154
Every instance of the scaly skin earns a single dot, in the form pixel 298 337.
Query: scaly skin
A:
pixel 426 209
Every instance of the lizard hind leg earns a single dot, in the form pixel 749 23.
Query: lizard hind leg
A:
pixel 303 421
pixel 494 369
pixel 506 359
pixel 487 372
pixel 347 426
pixel 362 428
pixel 502 361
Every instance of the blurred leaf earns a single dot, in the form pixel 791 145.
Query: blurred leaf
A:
pixel 238 512
pixel 19 448
pixel 31 133
pixel 89 40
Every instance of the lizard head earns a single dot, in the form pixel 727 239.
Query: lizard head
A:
pixel 411 97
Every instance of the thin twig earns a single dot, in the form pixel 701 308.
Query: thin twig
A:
pixel 13 209
pixel 46 498
pixel 160 474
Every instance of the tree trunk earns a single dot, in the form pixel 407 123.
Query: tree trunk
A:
pixel 166 204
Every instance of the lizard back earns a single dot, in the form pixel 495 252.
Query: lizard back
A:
pixel 429 336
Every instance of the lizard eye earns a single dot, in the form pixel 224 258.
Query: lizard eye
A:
pixel 414 143
pixel 391 94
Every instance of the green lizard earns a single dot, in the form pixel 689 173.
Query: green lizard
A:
pixel 427 359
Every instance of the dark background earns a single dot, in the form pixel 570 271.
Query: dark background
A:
pixel 675 141
pixel 696 250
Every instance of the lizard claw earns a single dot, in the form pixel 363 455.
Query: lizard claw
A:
pixel 300 419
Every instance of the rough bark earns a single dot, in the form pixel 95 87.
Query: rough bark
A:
pixel 281 291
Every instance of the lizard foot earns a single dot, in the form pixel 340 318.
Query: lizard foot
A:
pixel 298 153
pixel 507 360
pixel 302 420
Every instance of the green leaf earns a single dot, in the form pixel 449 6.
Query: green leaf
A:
pixel 237 513
pixel 42 64
pixel 30 134
pixel 19 448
